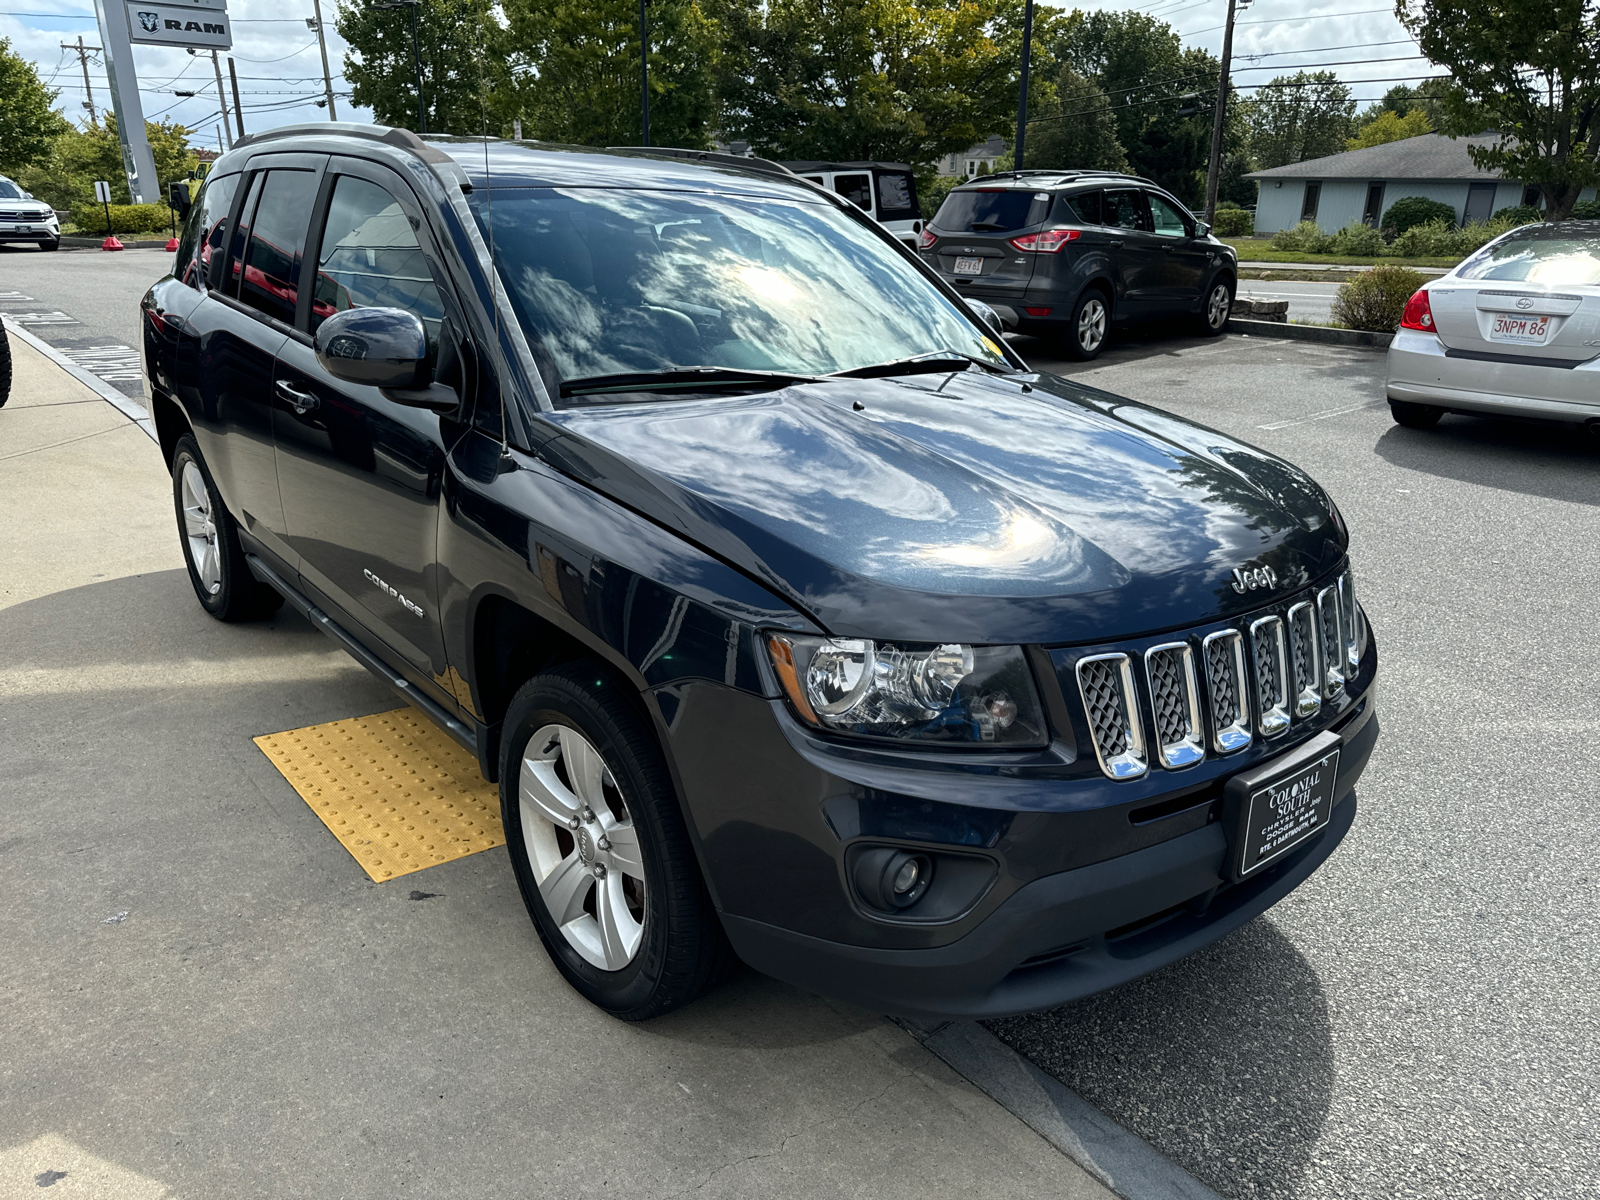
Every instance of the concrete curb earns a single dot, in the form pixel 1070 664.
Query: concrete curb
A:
pixel 83 243
pixel 1311 333
pixel 1120 1160
pixel 1333 268
pixel 128 407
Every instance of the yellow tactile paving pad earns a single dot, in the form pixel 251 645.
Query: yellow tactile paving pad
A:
pixel 394 788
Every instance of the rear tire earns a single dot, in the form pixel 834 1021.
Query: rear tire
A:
pixel 1415 416
pixel 1090 325
pixel 1215 306
pixel 5 365
pixel 594 829
pixel 217 570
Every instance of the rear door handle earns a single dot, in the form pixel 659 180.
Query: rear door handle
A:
pixel 1115 243
pixel 299 399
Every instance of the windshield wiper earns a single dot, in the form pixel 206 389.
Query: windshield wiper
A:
pixel 683 379
pixel 933 363
pixel 985 226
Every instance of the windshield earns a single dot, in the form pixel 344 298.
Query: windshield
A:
pixel 989 210
pixel 1554 254
pixel 9 190
pixel 606 282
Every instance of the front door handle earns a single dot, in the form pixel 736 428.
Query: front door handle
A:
pixel 1115 243
pixel 299 399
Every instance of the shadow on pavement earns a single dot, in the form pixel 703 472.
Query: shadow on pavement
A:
pixel 1556 462
pixel 1224 1060
pixel 1126 345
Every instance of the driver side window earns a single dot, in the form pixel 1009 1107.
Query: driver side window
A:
pixel 1168 220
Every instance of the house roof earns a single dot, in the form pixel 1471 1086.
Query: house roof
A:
pixel 1430 156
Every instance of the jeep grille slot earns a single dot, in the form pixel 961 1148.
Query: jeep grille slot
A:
pixel 1225 686
pixel 1106 684
pixel 1330 630
pixel 1270 650
pixel 1305 656
pixel 1175 704
pixel 1347 610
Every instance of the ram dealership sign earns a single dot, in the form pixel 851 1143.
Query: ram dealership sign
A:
pixel 200 27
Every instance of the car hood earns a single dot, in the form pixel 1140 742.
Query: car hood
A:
pixel 963 507
pixel 34 208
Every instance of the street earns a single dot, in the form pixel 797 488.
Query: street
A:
pixel 219 1001
pixel 1310 303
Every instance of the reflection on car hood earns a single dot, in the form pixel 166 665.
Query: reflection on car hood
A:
pixel 963 507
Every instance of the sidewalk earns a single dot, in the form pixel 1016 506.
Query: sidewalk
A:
pixel 206 996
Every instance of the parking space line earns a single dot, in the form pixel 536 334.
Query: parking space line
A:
pixel 394 789
pixel 124 404
pixel 1325 414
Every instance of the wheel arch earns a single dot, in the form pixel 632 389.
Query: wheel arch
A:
pixel 171 424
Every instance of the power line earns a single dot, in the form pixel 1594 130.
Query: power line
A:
pixel 1361 12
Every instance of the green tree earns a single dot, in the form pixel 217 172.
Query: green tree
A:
pixel 1388 127
pixel 456 39
pixel 1299 117
pixel 28 119
pixel 1082 133
pixel 66 174
pixel 1530 71
pixel 573 71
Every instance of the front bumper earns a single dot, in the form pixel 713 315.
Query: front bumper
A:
pixel 1420 372
pixel 33 232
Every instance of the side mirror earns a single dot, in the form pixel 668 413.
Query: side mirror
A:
pixel 987 315
pixel 1201 229
pixel 383 348
pixel 178 198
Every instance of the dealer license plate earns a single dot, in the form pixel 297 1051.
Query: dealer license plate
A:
pixel 1530 331
pixel 1285 812
pixel 969 266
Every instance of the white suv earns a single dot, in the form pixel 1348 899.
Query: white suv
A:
pixel 24 219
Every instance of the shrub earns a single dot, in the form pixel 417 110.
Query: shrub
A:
pixel 1429 240
pixel 1234 222
pixel 1410 211
pixel 1521 214
pixel 1376 299
pixel 1359 241
pixel 1586 210
pixel 1305 238
pixel 90 218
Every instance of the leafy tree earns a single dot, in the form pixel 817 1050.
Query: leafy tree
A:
pixel 1388 127
pixel 1081 134
pixel 28 119
pixel 1299 117
pixel 455 39
pixel 574 71
pixel 1532 67
pixel 65 175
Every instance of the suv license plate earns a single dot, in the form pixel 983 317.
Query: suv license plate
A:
pixel 1530 331
pixel 1285 812
pixel 969 266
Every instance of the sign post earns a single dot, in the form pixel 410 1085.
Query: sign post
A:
pixel 102 193
pixel 137 160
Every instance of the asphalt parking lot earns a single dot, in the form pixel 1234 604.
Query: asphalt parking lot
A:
pixel 207 996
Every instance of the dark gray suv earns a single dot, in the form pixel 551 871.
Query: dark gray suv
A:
pixel 1067 254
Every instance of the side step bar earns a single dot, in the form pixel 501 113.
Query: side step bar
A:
pixel 462 733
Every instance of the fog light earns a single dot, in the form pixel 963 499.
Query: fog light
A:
pixel 889 879
pixel 909 875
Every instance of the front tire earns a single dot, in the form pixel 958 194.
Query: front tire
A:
pixel 600 849
pixel 56 245
pixel 221 578
pixel 1414 416
pixel 1090 325
pixel 1214 309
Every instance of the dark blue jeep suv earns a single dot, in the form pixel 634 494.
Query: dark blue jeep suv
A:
pixel 796 617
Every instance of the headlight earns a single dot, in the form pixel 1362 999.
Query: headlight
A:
pixel 946 693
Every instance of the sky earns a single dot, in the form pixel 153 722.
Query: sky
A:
pixel 280 71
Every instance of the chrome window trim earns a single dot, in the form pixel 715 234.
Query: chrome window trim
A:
pixel 1188 751
pixel 1329 617
pixel 1307 699
pixel 1226 739
pixel 1132 763
pixel 1272 721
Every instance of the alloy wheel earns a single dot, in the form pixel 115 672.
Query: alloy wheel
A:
pixel 582 846
pixel 1217 306
pixel 1092 325
pixel 200 529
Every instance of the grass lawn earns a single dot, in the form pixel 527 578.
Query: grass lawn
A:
pixel 1260 250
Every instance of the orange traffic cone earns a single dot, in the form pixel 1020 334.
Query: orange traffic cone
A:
pixel 111 243
pixel 172 244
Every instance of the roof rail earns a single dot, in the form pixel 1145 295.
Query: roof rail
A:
pixel 401 139
pixel 1064 173
pixel 764 165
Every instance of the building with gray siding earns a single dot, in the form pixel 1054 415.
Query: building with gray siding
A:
pixel 1360 185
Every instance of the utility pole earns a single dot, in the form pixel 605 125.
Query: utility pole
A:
pixel 216 65
pixel 1020 147
pixel 238 106
pixel 322 44
pixel 83 53
pixel 644 71
pixel 1214 170
pixel 416 55
pixel 137 161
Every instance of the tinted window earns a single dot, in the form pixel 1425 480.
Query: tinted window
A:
pixel 606 281
pixel 855 188
pixel 204 230
pixel 1125 210
pixel 895 197
pixel 241 234
pixel 277 243
pixel 1085 209
pixel 1166 217
pixel 1552 254
pixel 989 210
pixel 371 258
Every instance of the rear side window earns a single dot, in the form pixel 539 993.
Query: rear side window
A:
pixel 896 199
pixel 855 188
pixel 277 243
pixel 1125 210
pixel 371 258
pixel 205 229
pixel 1085 208
pixel 1555 256
pixel 990 210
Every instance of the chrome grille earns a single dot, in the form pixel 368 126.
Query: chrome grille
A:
pixel 1330 631
pixel 1225 686
pixel 1174 704
pixel 1352 637
pixel 1106 684
pixel 1305 657
pixel 6 215
pixel 1269 648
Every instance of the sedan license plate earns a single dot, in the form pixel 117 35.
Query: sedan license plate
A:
pixel 1530 331
pixel 969 266
pixel 1277 816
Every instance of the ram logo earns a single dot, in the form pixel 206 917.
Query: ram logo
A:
pixel 151 22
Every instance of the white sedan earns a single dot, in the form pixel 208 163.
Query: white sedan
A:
pixel 1514 331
